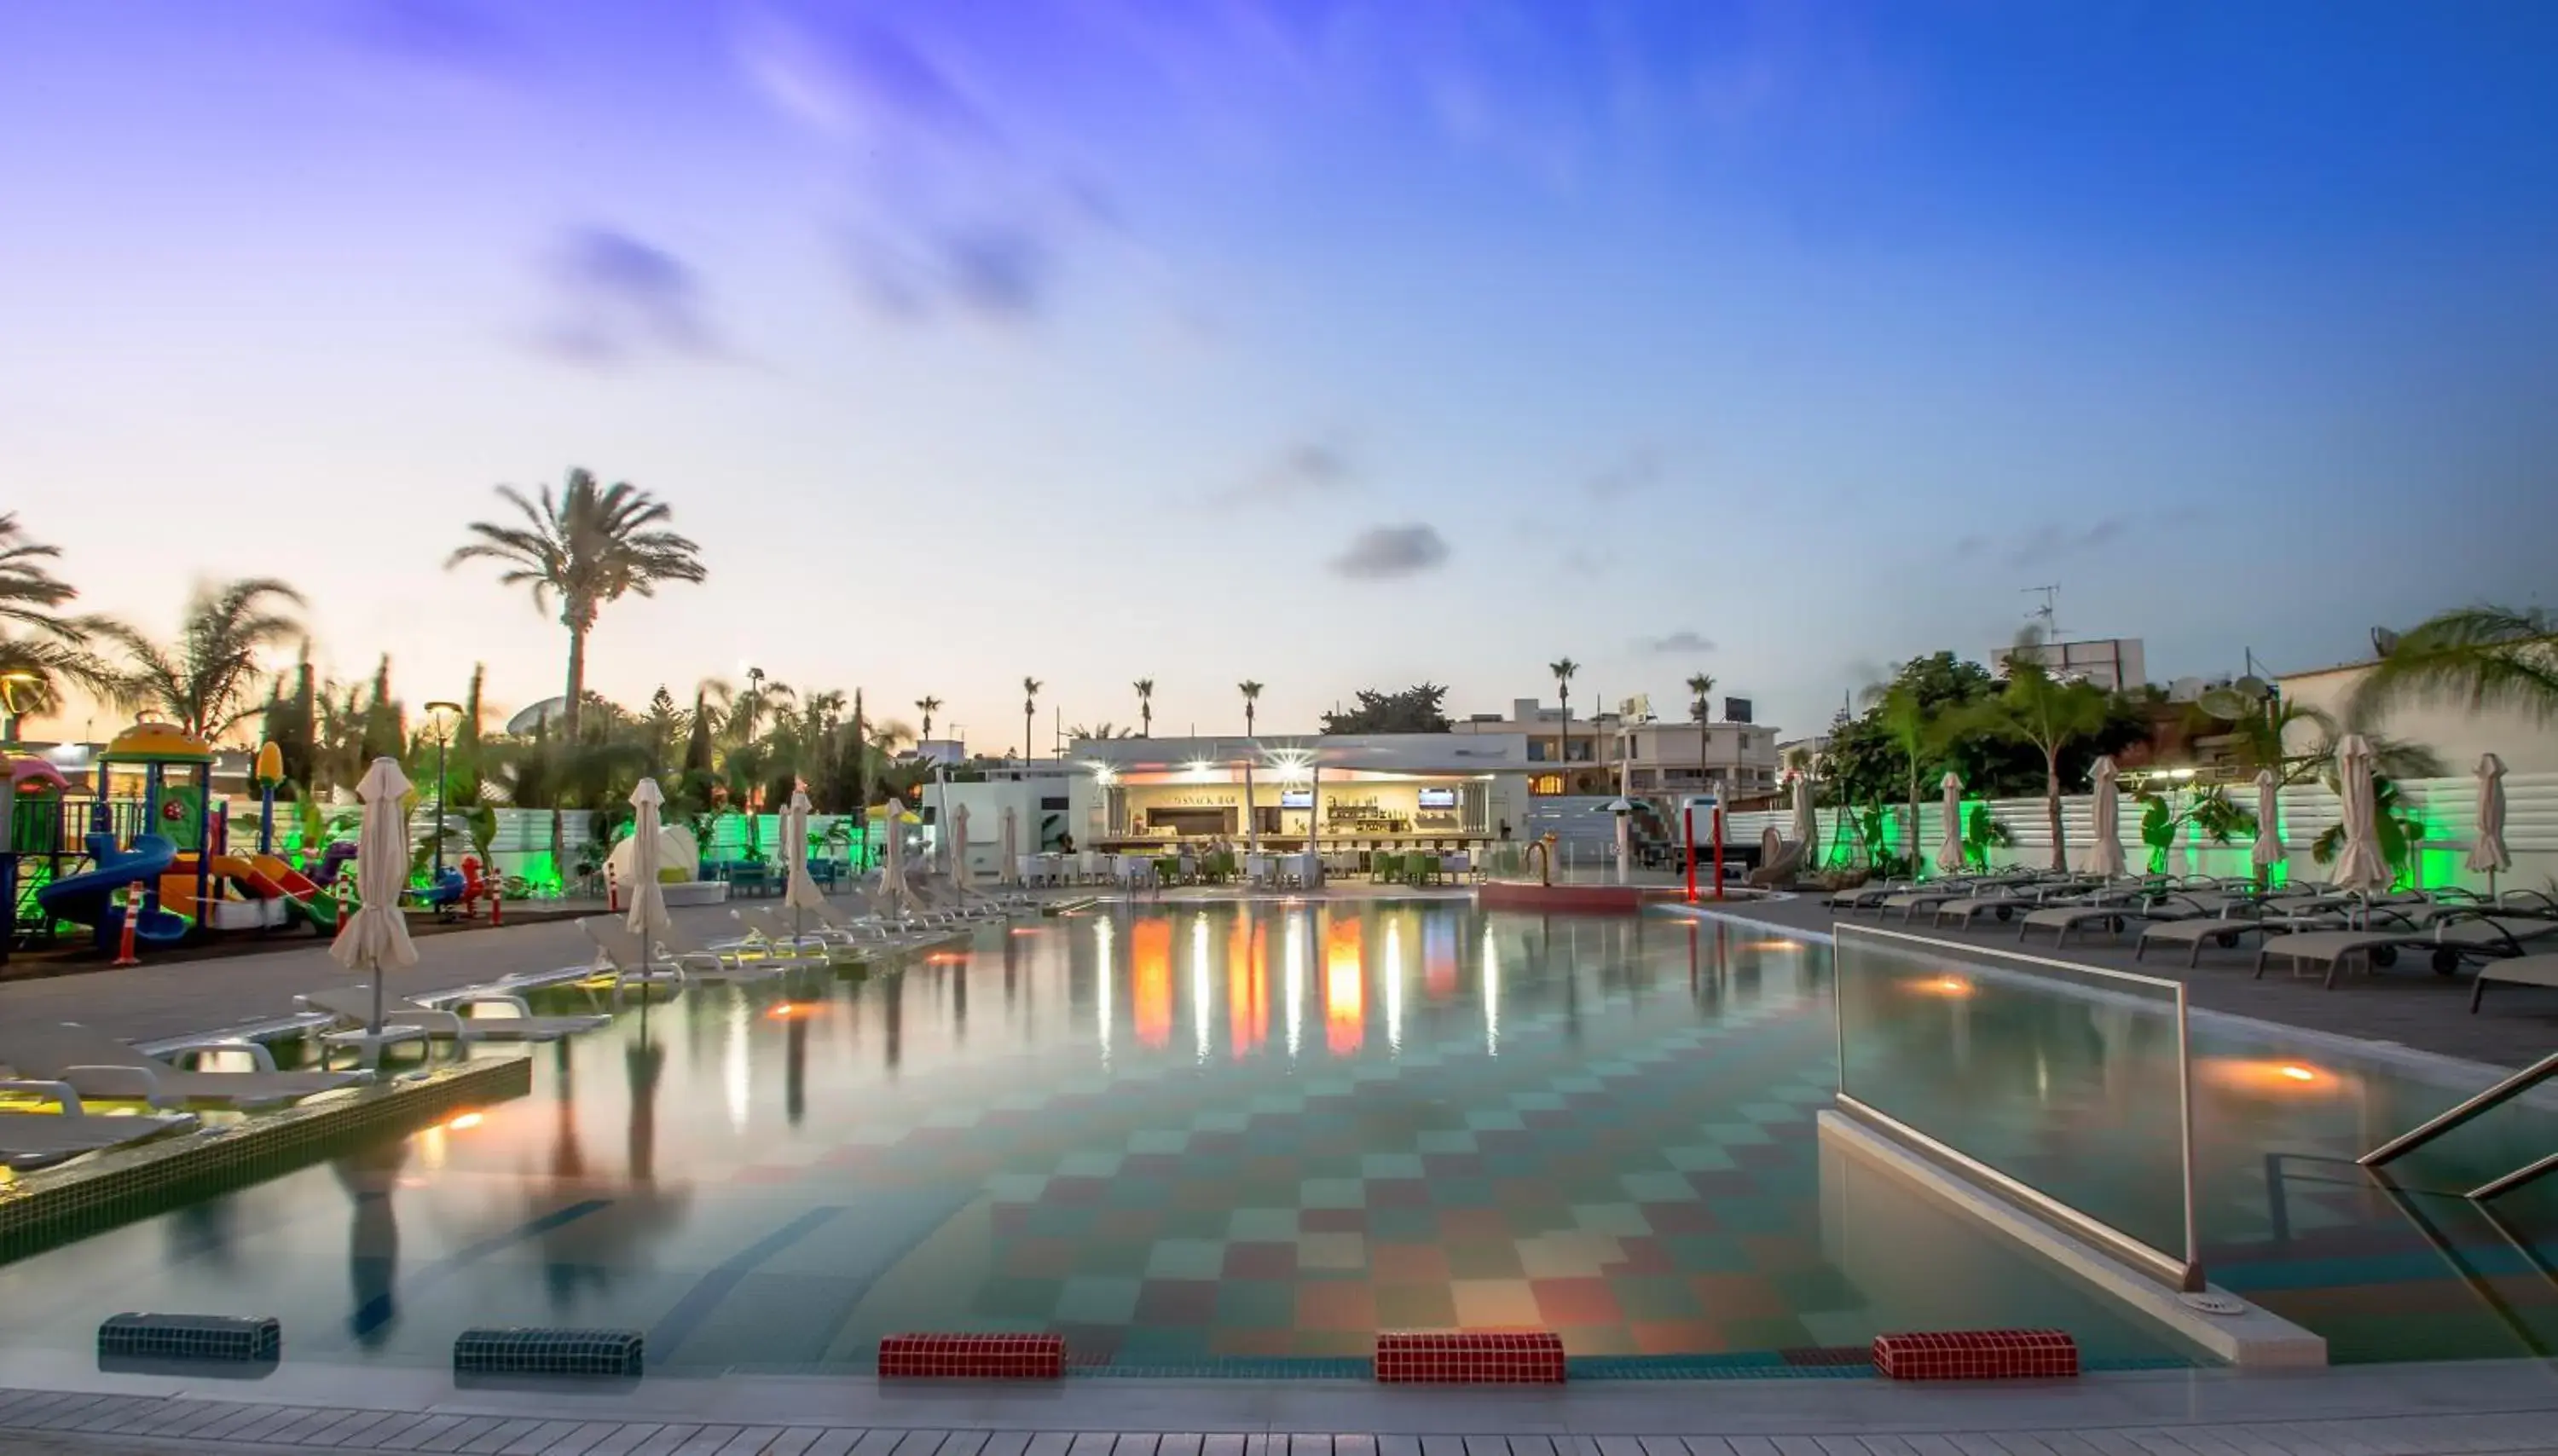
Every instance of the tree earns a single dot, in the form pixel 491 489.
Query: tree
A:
pixel 927 706
pixel 2048 714
pixel 1563 670
pixel 2475 658
pixel 291 724
pixel 1145 707
pixel 203 679
pixel 588 546
pixel 1251 692
pixel 1415 710
pixel 55 648
pixel 1700 688
pixel 386 733
pixel 1103 730
pixel 1917 731
pixel 1030 705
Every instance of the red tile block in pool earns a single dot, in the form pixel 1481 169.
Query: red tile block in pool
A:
pixel 1976 1354
pixel 1468 1358
pixel 972 1357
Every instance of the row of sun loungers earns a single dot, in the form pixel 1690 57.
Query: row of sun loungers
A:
pixel 68 1066
pixel 2512 940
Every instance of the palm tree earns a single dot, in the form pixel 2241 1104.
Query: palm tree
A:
pixel 588 546
pixel 204 680
pixel 927 706
pixel 1145 707
pixel 1251 692
pixel 1919 733
pixel 2475 658
pixel 1563 671
pixel 34 667
pixel 2050 714
pixel 1030 705
pixel 1700 688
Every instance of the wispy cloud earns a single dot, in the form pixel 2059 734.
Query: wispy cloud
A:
pixel 1678 642
pixel 1315 464
pixel 616 298
pixel 1638 470
pixel 2048 541
pixel 1385 553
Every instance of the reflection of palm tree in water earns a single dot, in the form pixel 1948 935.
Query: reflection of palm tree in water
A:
pixel 1011 971
pixel 372 1238
pixel 587 1250
pixel 795 1071
pixel 895 1013
pixel 568 1167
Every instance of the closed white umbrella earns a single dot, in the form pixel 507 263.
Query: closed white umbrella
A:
pixel 2360 869
pixel 800 890
pixel 894 889
pixel 1950 855
pixel 1808 825
pixel 2105 858
pixel 648 918
pixel 375 937
pixel 2270 850
pixel 2487 850
pixel 959 847
pixel 1012 864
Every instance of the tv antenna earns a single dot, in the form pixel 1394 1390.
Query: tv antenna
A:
pixel 2049 614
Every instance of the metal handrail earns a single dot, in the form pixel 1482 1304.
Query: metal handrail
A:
pixel 2441 1123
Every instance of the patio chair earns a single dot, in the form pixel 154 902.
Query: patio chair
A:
pixel 1384 868
pixel 352 1006
pixel 33 1140
pixel 97 1064
pixel 1420 869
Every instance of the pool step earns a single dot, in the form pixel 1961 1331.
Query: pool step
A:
pixel 533 1350
pixel 1468 1358
pixel 1976 1354
pixel 955 1357
pixel 240 1339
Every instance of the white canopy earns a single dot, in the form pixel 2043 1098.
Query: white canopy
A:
pixel 375 937
pixel 2105 855
pixel 1950 855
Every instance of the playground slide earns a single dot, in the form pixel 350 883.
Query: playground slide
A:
pixel 253 904
pixel 87 900
pixel 302 896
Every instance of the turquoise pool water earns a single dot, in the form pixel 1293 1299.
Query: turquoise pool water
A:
pixel 1231 1138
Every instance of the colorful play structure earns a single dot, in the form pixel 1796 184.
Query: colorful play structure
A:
pixel 151 839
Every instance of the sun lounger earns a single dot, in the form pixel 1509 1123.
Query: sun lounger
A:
pixel 97 1064
pixel 2539 970
pixel 631 962
pixel 33 1140
pixel 353 1008
pixel 1870 896
pixel 772 927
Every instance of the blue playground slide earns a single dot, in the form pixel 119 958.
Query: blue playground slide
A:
pixel 88 899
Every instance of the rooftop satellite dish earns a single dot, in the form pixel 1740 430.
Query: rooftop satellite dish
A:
pixel 2253 688
pixel 2184 690
pixel 2225 704
pixel 2383 641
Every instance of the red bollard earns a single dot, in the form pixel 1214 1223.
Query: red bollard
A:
pixel 124 955
pixel 1687 831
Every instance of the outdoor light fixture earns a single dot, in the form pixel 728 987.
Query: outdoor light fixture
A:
pixel 441 717
pixel 1104 775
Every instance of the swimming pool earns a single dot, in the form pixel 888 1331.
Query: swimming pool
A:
pixel 1233 1138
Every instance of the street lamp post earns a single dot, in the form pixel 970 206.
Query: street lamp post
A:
pixel 442 715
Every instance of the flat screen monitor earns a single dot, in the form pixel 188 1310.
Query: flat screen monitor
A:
pixel 1438 798
pixel 1296 798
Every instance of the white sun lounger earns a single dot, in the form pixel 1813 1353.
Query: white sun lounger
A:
pixel 353 1008
pixel 771 927
pixel 633 963
pixel 97 1064
pixel 32 1140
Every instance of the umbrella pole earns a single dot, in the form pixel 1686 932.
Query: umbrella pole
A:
pixel 373 1034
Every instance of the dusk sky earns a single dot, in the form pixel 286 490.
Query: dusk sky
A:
pixel 1330 342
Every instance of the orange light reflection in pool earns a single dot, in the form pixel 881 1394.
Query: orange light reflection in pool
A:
pixel 1345 991
pixel 1248 993
pixel 465 1122
pixel 1150 973
pixel 786 1010
pixel 1952 987
pixel 2287 1079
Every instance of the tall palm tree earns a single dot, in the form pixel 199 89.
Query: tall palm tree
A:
pixel 927 706
pixel 587 546
pixel 1915 730
pixel 2471 657
pixel 204 680
pixel 1251 692
pixel 1030 705
pixel 1700 707
pixel 1145 707
pixel 55 649
pixel 1563 671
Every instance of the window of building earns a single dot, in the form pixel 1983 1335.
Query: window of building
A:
pixel 1546 783
pixel 1054 801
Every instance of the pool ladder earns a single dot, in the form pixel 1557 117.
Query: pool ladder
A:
pixel 2496 1096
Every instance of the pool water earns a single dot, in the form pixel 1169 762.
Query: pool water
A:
pixel 1237 1137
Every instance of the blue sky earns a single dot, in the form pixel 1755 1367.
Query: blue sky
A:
pixel 1328 343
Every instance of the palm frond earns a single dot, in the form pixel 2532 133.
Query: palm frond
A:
pixel 2477 658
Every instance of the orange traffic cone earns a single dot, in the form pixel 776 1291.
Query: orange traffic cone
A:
pixel 124 955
